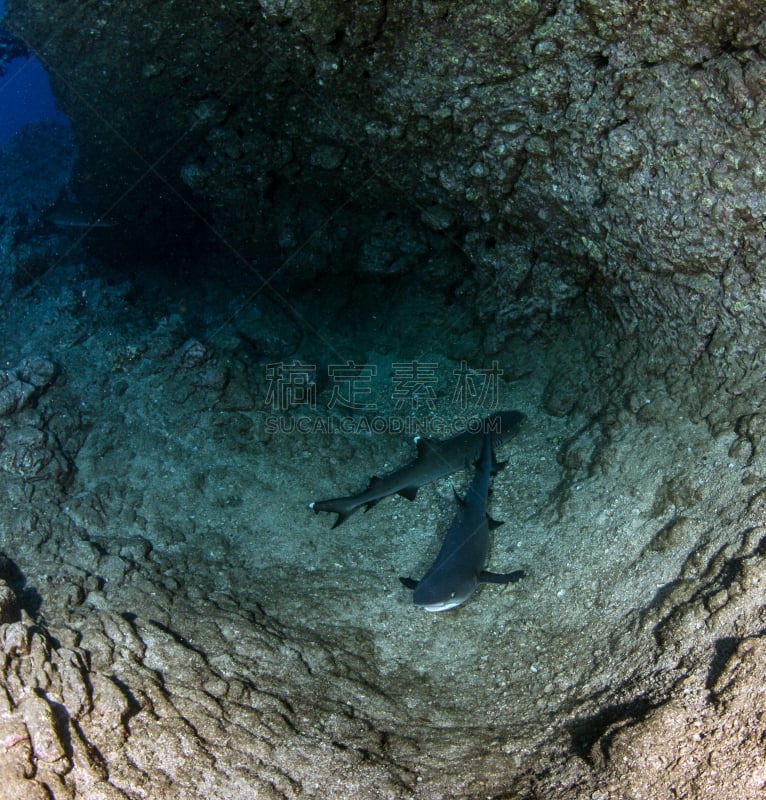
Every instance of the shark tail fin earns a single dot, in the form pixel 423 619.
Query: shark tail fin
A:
pixel 507 577
pixel 341 518
pixel 342 506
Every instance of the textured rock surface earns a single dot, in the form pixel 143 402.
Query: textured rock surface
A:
pixel 171 613
pixel 606 148
pixel 589 172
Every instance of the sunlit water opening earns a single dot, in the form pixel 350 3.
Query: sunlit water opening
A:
pixel 25 93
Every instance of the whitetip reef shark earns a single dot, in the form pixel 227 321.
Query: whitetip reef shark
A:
pixel 67 214
pixel 459 568
pixel 435 460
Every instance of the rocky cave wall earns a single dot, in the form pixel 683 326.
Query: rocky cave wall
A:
pixel 611 150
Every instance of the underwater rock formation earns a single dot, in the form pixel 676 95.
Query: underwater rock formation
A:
pixel 605 149
pixel 587 180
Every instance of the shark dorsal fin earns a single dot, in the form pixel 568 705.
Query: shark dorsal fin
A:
pixel 374 481
pixel 425 447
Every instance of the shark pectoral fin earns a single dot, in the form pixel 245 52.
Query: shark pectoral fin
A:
pixel 409 492
pixel 508 577
pixel 375 480
pixel 458 497
pixel 494 523
pixel 409 583
pixel 497 465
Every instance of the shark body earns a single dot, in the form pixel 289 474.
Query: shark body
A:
pixel 68 214
pixel 434 460
pixel 459 567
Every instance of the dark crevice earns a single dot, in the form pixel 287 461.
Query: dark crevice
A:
pixel 134 706
pixel 180 640
pixel 27 597
pixel 61 723
pixel 95 757
pixel 723 650
pixel 337 41
pixel 719 574
pixel 601 728
pixel 600 60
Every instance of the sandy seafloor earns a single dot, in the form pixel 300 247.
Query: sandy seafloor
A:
pixel 173 551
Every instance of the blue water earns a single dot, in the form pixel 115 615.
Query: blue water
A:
pixel 25 95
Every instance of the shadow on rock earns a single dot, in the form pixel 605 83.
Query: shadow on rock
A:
pixel 15 593
pixel 591 737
